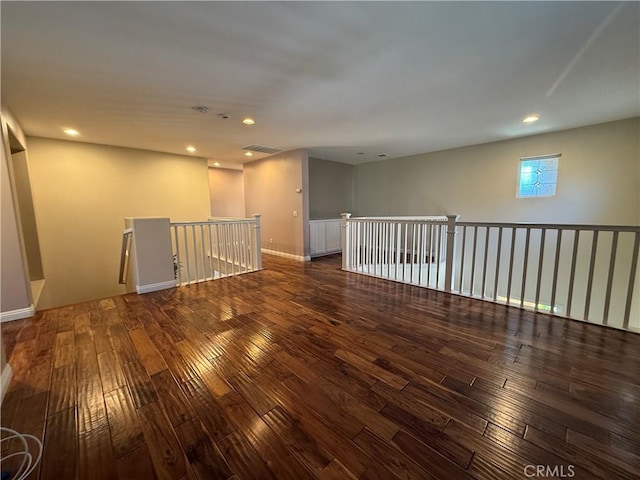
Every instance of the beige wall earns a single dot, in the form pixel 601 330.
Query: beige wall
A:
pixel 27 214
pixel 330 188
pixel 270 189
pixel 598 179
pixel 226 191
pixel 82 193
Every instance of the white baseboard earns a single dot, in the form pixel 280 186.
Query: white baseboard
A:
pixel 328 252
pixel 17 314
pixel 6 380
pixel 154 287
pixel 299 258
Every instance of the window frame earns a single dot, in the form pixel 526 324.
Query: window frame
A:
pixel 537 157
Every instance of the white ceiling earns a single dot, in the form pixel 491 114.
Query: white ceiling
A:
pixel 336 78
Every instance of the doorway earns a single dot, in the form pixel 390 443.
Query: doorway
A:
pixel 21 185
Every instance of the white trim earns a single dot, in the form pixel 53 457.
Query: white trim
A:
pixel 299 258
pixel 154 287
pixel 7 373
pixel 17 314
pixel 542 157
pixel 539 157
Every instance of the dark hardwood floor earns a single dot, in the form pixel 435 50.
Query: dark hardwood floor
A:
pixel 304 371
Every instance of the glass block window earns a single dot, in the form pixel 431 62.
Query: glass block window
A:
pixel 537 176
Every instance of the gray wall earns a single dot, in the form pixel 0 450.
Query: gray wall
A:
pixel 270 188
pixel 330 188
pixel 15 293
pixel 598 179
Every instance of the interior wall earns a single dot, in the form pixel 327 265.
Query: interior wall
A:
pixel 15 291
pixel 3 360
pixel 27 214
pixel 82 193
pixel 330 188
pixel 270 188
pixel 226 191
pixel 598 179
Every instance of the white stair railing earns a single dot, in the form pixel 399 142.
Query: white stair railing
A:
pixel 220 247
pixel 406 249
pixel 584 272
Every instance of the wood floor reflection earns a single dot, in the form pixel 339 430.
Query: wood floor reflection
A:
pixel 304 371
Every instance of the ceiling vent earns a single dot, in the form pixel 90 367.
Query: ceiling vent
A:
pixel 200 109
pixel 261 149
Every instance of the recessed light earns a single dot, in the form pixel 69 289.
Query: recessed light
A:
pixel 249 121
pixel 191 149
pixel 382 155
pixel 531 119
pixel 217 164
pixel 248 154
pixel 359 153
pixel 71 132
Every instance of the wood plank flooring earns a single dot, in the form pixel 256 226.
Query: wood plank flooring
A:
pixel 303 371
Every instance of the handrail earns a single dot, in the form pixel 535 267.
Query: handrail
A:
pixel 213 221
pixel 580 271
pixel 124 254
pixel 426 218
pixel 553 226
pixel 229 219
pixel 215 248
pixel 548 226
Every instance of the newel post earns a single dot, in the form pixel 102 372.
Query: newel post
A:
pixel 344 236
pixel 257 241
pixel 451 246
